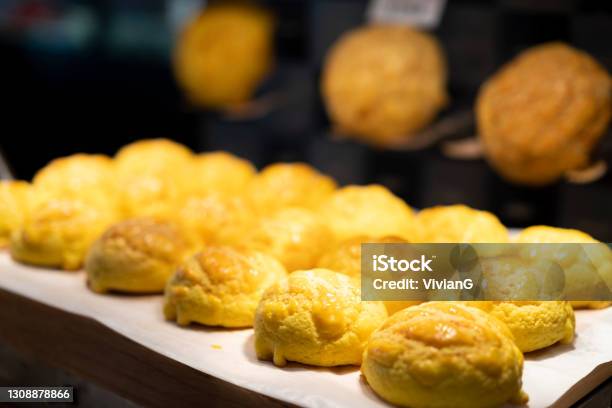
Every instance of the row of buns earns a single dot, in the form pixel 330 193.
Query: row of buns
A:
pixel 279 250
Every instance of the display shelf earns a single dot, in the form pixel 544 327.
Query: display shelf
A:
pixel 124 344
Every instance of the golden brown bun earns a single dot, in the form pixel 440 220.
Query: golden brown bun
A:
pixel 542 234
pixel 587 267
pixel 459 223
pixel 370 210
pixel 221 172
pixel 315 317
pixel 136 255
pixel 220 286
pixel 534 325
pixel 216 218
pixel 223 54
pixel 152 156
pixel 58 232
pixel 345 257
pixel 87 177
pixel 295 236
pixel 382 83
pixel 443 354
pixel 590 304
pixel 394 306
pixel 14 201
pixel 153 176
pixel 541 114
pixel 282 185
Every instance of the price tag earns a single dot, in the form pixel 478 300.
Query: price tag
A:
pixel 417 13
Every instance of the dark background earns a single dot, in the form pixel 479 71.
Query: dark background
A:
pixel 91 76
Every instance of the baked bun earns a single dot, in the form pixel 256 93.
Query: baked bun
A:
pixel 345 257
pixel 152 156
pixel 534 325
pixel 14 203
pixel 542 113
pixel 221 172
pixel 282 185
pixel 216 218
pixel 588 267
pixel 59 231
pixel 223 54
pixel 443 354
pixel 152 177
pixel 315 317
pixel 370 210
pixel 136 256
pixel 542 234
pixel 590 305
pixel 220 286
pixel 87 177
pixel 382 83
pixel 459 223
pixel 295 236
pixel 394 306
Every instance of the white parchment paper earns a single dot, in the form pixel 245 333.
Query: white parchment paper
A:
pixel 558 376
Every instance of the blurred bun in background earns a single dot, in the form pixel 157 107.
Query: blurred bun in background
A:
pixel 371 210
pixel 153 175
pixel 459 223
pixel 89 177
pixel 223 54
pixel 222 172
pixel 281 185
pixel 543 112
pixel 383 83
pixel 13 207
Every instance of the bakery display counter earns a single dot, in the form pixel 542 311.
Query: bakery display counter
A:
pixel 124 344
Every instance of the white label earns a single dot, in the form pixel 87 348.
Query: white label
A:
pixel 417 13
